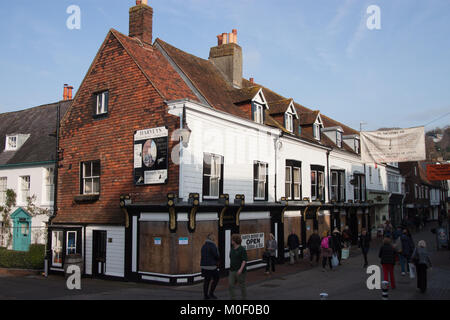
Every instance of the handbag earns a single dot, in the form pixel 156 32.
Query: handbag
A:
pixel 412 270
pixel 334 261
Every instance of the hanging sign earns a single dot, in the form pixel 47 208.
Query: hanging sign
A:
pixel 151 156
pixel 437 172
pixel 399 145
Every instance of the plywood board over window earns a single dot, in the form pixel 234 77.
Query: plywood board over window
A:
pixel 292 223
pixel 256 226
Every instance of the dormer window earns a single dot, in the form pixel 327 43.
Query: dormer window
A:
pixel 258 113
pixel 339 139
pixel 357 145
pixel 11 143
pixel 101 103
pixel 289 122
pixel 316 131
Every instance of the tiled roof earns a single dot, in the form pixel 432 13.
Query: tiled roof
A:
pixel 39 123
pixel 280 106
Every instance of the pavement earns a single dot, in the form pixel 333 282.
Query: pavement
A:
pixel 289 282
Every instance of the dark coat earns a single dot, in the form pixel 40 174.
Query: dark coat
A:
pixel 210 254
pixel 407 245
pixel 364 242
pixel 337 242
pixel 293 241
pixel 387 254
pixel 314 242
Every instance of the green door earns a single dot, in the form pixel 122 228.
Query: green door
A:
pixel 21 230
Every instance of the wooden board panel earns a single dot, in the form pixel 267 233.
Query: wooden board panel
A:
pixel 154 257
pixel 292 224
pixel 255 226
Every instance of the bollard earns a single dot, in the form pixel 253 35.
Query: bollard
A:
pixel 323 296
pixel 384 288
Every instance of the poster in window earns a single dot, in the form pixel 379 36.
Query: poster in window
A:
pixel 151 156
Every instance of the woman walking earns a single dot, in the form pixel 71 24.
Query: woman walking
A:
pixel 422 261
pixel 271 248
pixel 387 255
pixel 326 247
pixel 364 244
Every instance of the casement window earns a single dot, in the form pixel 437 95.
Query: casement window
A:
pixel 359 188
pixel 71 242
pixel 90 178
pixel 317 183
pixel 24 189
pixel 3 188
pixel 339 139
pixel 101 103
pixel 316 131
pixel 337 185
pixel 49 187
pixel 258 113
pixel 260 181
pixel 212 176
pixel 289 122
pixel 293 180
pixel 11 143
pixel 57 248
pixel 357 150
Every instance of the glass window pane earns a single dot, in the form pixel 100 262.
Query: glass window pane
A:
pixel 87 186
pixel 96 185
pixel 207 164
pixel 96 169
pixel 287 188
pixel 288 174
pixel 297 191
pixel 297 175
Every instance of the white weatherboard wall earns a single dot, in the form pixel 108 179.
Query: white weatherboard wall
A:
pixel 36 174
pixel 308 155
pixel 115 251
pixel 350 163
pixel 238 144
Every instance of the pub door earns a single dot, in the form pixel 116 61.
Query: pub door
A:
pixel 99 253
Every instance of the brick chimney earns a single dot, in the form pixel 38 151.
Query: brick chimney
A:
pixel 67 95
pixel 141 21
pixel 227 56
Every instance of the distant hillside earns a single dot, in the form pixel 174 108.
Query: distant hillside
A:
pixel 438 144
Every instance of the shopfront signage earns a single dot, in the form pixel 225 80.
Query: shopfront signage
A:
pixel 253 241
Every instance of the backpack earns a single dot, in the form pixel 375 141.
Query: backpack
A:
pixel 324 243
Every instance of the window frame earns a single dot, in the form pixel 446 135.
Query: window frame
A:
pixel 257 165
pixel 219 176
pixel 339 138
pixel 289 122
pixel 49 185
pixel 340 186
pixel 56 248
pixel 3 189
pixel 319 183
pixel 83 178
pixel 361 186
pixel 8 146
pixel 67 242
pixel 24 194
pixel 104 107
pixel 258 113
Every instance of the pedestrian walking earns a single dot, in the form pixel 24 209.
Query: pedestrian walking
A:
pixel 407 249
pixel 271 248
pixel 326 246
pixel 347 237
pixel 364 244
pixel 238 267
pixel 293 244
pixel 337 244
pixel 387 256
pixel 209 265
pixel 388 229
pixel 422 261
pixel 314 246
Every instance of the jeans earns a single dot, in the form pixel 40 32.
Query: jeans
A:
pixel 313 253
pixel 210 275
pixel 404 261
pixel 421 276
pixel 324 262
pixel 232 279
pixel 270 264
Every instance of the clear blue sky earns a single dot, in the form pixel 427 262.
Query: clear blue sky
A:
pixel 318 52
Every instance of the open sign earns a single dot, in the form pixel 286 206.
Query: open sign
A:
pixel 253 241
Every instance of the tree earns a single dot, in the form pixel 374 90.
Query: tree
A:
pixel 5 210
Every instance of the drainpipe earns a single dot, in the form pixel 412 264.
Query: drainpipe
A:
pixel 328 174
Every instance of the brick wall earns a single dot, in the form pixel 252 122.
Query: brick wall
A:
pixel 134 104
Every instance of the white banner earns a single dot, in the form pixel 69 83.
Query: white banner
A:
pixel 399 145
pixel 253 241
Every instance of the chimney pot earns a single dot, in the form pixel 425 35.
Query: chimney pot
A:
pixel 65 92
pixel 252 81
pixel 219 40
pixel 224 38
pixel 69 93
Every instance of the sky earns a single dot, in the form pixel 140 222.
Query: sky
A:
pixel 318 52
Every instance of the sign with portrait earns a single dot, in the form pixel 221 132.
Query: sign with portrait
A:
pixel 151 156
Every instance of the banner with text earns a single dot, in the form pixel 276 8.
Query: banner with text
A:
pixel 398 145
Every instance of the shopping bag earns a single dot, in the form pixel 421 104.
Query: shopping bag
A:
pixel 412 270
pixel 334 261
pixel 345 253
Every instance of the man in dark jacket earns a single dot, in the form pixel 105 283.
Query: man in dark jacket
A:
pixel 407 250
pixel 337 244
pixel 209 265
pixel 364 244
pixel 293 244
pixel 387 255
pixel 314 246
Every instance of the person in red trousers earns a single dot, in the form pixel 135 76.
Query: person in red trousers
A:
pixel 387 256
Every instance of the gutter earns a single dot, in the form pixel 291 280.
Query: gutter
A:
pixel 26 164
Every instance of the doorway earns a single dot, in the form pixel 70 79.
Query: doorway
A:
pixel 99 253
